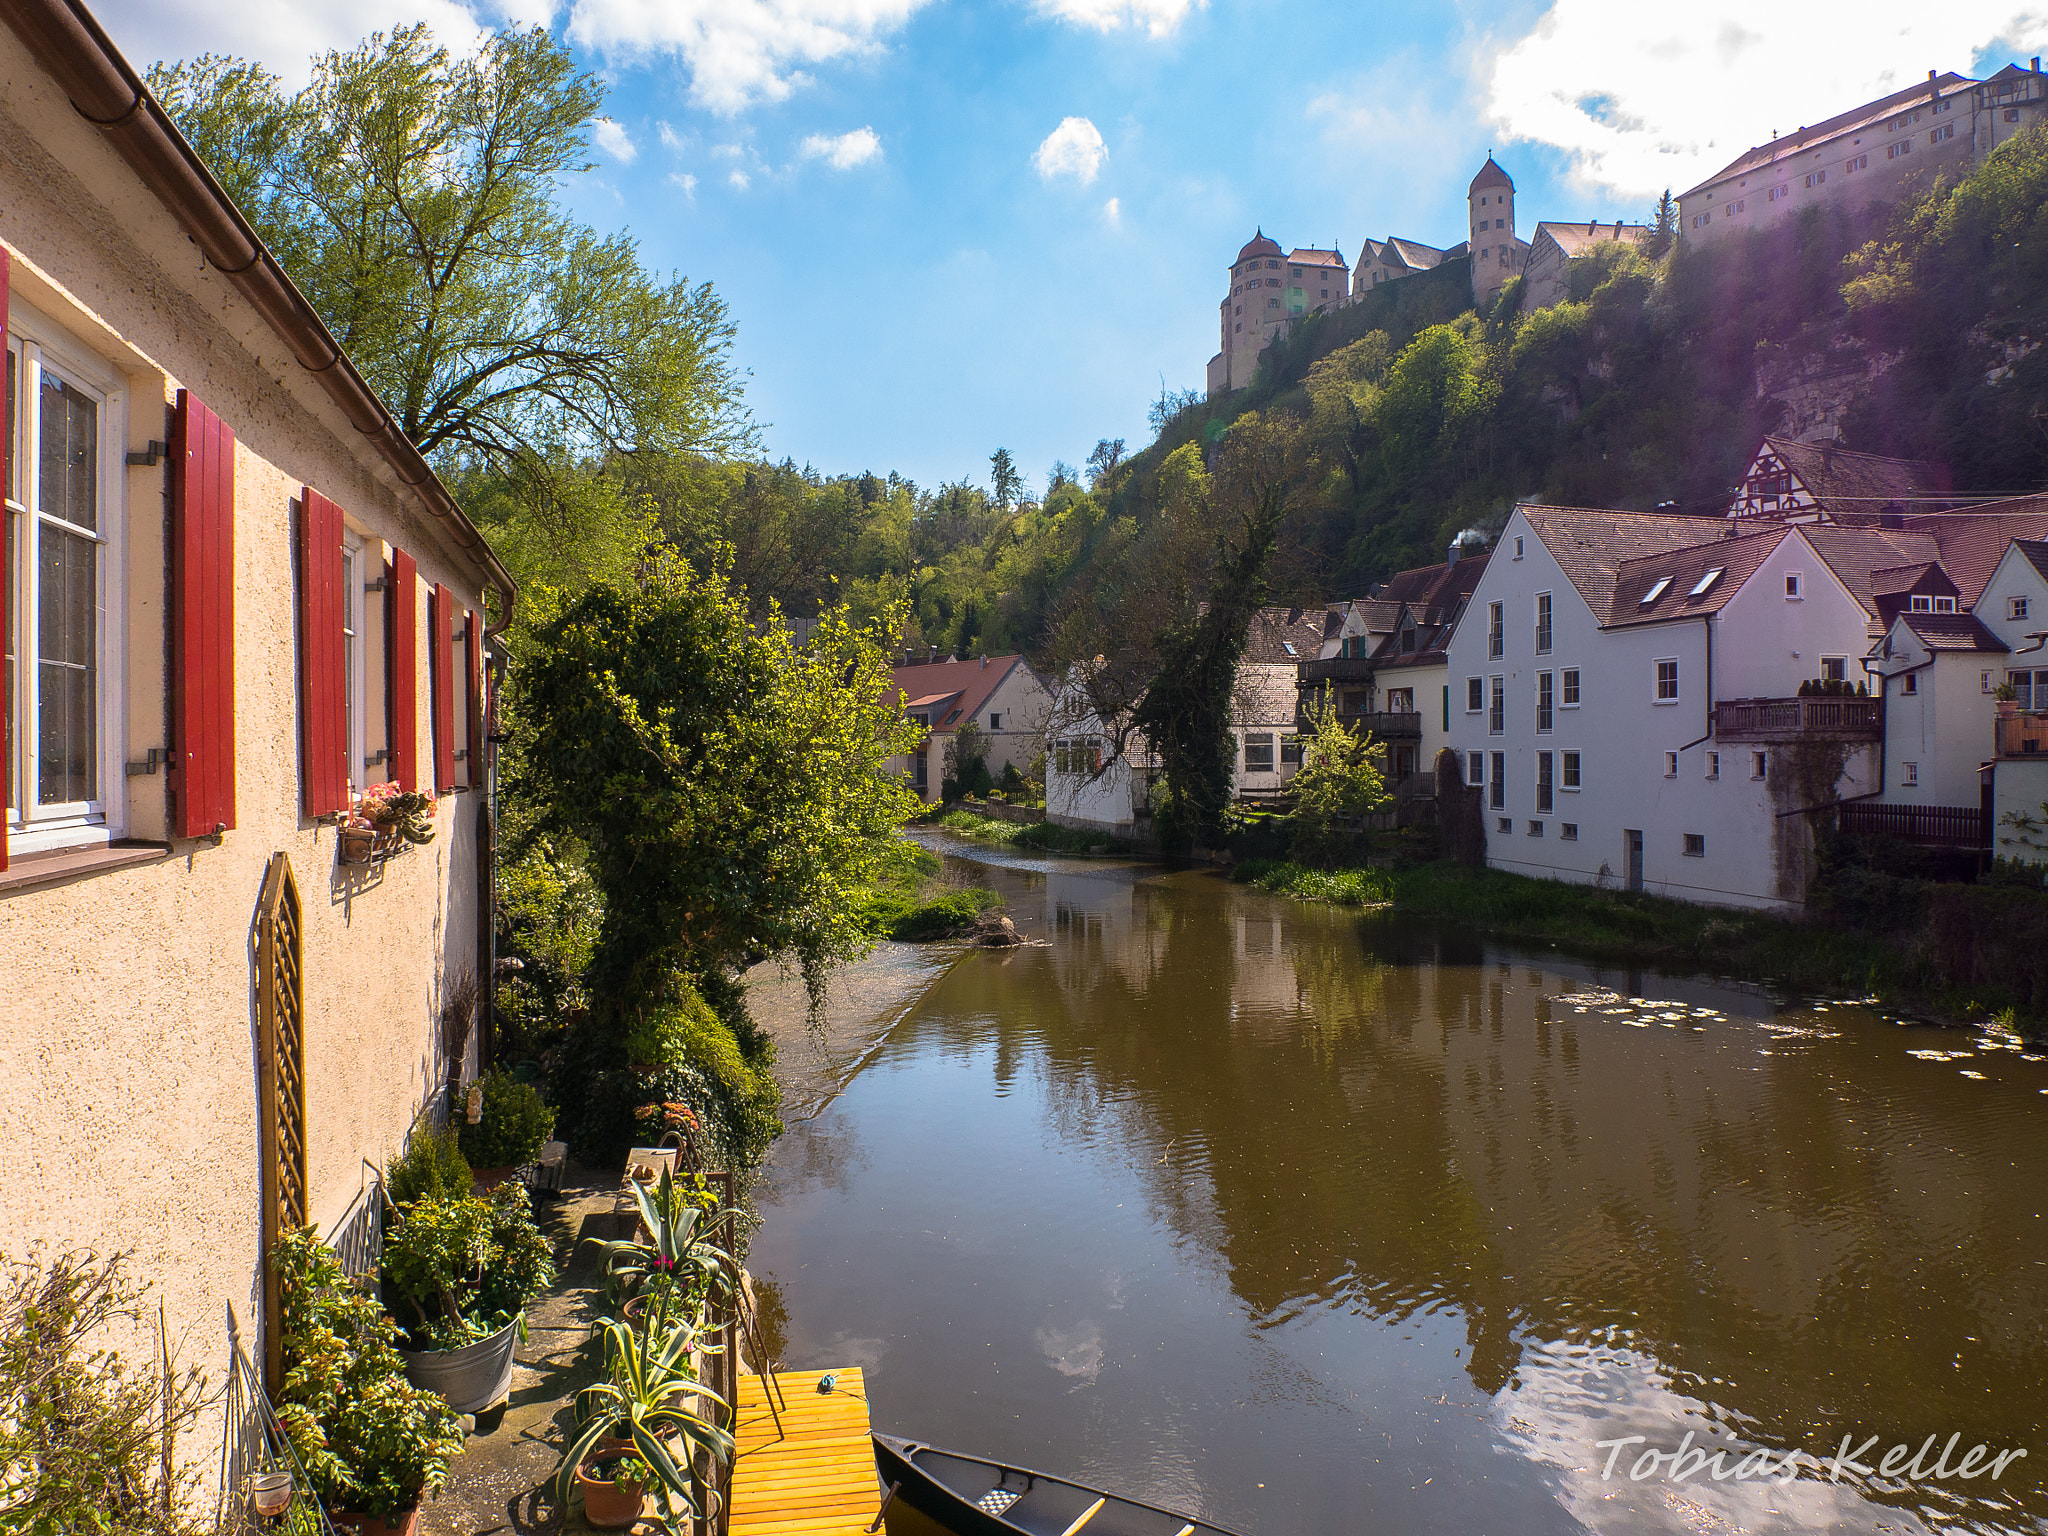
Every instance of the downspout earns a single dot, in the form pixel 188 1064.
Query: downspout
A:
pixel 1708 620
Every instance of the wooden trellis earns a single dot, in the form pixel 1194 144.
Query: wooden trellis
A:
pixel 281 1089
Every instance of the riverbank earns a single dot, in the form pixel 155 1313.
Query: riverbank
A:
pixel 1922 970
pixel 1042 836
pixel 912 901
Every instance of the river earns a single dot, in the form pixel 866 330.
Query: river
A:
pixel 1308 1221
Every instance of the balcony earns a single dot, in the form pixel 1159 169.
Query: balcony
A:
pixel 1334 669
pixel 1405 725
pixel 2021 735
pixel 1839 719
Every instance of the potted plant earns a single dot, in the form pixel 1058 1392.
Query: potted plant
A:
pixel 458 1272
pixel 399 813
pixel 2007 697
pixel 511 1125
pixel 371 1444
pixel 651 1401
pixel 667 1271
pixel 614 1488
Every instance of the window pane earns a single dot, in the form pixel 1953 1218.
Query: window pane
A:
pixel 13 478
pixel 70 453
pixel 65 675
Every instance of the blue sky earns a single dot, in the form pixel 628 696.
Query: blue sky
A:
pixel 944 226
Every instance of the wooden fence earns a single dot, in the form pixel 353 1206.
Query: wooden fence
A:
pixel 1933 826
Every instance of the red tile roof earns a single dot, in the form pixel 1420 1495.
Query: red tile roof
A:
pixel 1686 592
pixel 1846 483
pixel 1972 542
pixel 1952 632
pixel 1592 545
pixel 1763 156
pixel 1274 629
pixel 966 683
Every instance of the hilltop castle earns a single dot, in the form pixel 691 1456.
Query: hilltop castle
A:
pixel 1884 150
pixel 1269 290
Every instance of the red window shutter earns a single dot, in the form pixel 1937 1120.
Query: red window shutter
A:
pixel 6 587
pixel 202 620
pixel 401 669
pixel 323 669
pixel 473 646
pixel 441 667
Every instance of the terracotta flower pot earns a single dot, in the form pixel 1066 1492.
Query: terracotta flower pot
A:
pixel 608 1504
pixel 405 1523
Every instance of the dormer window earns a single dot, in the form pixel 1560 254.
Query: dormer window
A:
pixel 1705 584
pixel 1922 603
pixel 1944 605
pixel 1656 590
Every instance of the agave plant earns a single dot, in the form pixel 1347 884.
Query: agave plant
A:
pixel 652 1398
pixel 682 1274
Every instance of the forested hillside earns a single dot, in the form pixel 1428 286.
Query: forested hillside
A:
pixel 1412 417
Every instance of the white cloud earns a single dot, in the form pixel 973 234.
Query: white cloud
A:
pixel 1644 99
pixel 1113 213
pixel 672 141
pixel 843 151
pixel 284 35
pixel 1159 17
pixel 1073 149
pixel 740 179
pixel 738 52
pixel 613 139
pixel 684 182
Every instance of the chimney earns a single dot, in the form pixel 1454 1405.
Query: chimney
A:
pixel 984 659
pixel 2037 63
pixel 1453 560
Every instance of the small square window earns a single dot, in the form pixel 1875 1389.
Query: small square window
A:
pixel 1695 845
pixel 995 720
pixel 1944 605
pixel 1909 775
pixel 1568 831
pixel 2016 608
pixel 1670 765
pixel 1759 764
pixel 1834 669
pixel 1258 753
pixel 1794 586
pixel 1910 683
pixel 1506 823
pixel 1535 829
pixel 1984 683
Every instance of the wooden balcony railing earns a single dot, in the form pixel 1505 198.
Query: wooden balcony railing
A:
pixel 1334 669
pixel 1795 719
pixel 1405 725
pixel 2021 735
pixel 1933 826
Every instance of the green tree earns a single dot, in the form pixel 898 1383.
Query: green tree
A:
pixel 415 199
pixel 1663 228
pixel 730 792
pixel 1340 777
pixel 1004 479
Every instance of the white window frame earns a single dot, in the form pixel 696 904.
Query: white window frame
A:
pixel 1546 783
pixel 995 719
pixel 1544 617
pixel 1475 689
pixel 1670 765
pixel 1571 772
pixel 1713 765
pixel 37 341
pixel 1497 781
pixel 1795 586
pixel 1546 702
pixel 1496 632
pixel 1266 740
pixel 1568 688
pixel 1759 764
pixel 2015 607
pixel 1840 663
pixel 1497 707
pixel 1475 768
pixel 1657 695
pixel 1909 775
pixel 355 656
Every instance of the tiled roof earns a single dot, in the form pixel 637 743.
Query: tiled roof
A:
pixel 1490 175
pixel 1274 629
pixel 1896 580
pixel 1397 252
pixel 1845 482
pixel 1577 239
pixel 967 683
pixel 1308 257
pixel 1856 554
pixel 1258 245
pixel 1972 542
pixel 1593 545
pixel 1871 112
pixel 1686 592
pixel 1952 632
pixel 2036 553
pixel 1376 615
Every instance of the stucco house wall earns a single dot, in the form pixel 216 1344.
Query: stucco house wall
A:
pixel 128 1031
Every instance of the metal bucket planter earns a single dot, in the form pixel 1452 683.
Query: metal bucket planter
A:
pixel 470 1378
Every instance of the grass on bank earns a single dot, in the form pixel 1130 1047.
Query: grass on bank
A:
pixel 1805 957
pixel 1041 836
pixel 912 902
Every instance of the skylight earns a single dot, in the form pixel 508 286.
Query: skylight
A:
pixel 1701 586
pixel 1656 590
pixel 1288 647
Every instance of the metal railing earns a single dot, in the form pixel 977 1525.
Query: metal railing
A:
pixel 1841 719
pixel 1333 669
pixel 1385 725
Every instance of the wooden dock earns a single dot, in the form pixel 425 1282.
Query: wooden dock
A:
pixel 818 1477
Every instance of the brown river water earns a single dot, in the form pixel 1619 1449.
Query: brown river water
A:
pixel 1311 1221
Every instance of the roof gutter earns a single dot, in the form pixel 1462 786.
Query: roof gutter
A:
pixel 1708 620
pixel 107 93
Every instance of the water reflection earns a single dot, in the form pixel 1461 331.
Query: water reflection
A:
pixel 1215 1191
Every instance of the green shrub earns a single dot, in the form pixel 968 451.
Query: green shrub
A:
pixel 431 1164
pixel 458 1270
pixel 369 1440
pixel 512 1127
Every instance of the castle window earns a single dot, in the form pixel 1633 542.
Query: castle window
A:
pixel 1500 223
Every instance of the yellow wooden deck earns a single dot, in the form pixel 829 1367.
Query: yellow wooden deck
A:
pixel 819 1478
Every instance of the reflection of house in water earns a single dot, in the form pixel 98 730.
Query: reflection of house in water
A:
pixel 1094 907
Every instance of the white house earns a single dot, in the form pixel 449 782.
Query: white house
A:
pixel 998 695
pixel 1627 696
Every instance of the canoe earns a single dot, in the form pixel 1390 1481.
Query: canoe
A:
pixel 971 1496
